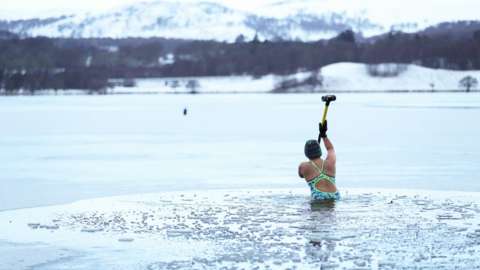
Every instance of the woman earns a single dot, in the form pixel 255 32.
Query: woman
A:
pixel 319 173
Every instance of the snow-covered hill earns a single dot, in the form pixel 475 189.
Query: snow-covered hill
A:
pixel 203 20
pixel 402 15
pixel 355 77
pixel 303 19
pixel 341 77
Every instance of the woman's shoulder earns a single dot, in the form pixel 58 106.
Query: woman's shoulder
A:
pixel 306 164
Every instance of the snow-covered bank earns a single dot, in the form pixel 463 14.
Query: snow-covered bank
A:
pixel 279 229
pixel 341 77
pixel 355 77
pixel 335 78
pixel 221 84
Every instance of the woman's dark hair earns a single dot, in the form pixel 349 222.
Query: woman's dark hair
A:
pixel 312 149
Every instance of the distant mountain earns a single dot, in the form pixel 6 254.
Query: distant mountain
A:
pixel 24 27
pixel 305 20
pixel 191 21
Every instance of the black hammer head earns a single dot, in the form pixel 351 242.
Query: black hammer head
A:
pixel 329 98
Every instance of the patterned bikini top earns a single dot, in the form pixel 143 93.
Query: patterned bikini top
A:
pixel 321 174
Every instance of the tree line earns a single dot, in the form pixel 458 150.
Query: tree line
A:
pixel 51 63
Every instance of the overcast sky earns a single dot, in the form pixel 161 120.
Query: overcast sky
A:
pixel 461 9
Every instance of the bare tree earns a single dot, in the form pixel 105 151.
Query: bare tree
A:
pixel 285 85
pixel 192 85
pixel 174 84
pixel 386 70
pixel 468 83
pixel 314 81
pixel 129 82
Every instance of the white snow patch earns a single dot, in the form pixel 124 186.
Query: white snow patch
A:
pixel 220 84
pixel 355 77
pixel 340 77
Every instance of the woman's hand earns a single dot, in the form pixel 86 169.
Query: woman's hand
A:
pixel 323 129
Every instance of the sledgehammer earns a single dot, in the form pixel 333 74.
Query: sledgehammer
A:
pixel 327 100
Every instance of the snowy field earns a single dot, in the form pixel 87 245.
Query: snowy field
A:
pixel 336 78
pixel 223 185
pixel 340 77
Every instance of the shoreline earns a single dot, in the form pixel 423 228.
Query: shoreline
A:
pixel 323 92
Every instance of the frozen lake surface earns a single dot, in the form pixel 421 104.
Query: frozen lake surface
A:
pixel 250 229
pixel 60 149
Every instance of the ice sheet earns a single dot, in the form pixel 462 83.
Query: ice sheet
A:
pixel 278 229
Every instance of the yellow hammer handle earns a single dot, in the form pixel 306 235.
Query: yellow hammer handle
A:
pixel 324 114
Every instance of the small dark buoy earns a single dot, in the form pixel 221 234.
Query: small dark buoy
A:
pixel 185 111
pixel 316 243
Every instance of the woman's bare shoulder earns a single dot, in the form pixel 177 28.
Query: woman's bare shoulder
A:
pixel 304 164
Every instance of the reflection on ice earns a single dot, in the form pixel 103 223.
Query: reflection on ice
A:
pixel 279 229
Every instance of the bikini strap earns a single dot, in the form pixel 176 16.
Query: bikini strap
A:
pixel 322 174
pixel 316 167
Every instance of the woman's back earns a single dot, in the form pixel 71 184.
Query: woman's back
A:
pixel 320 172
